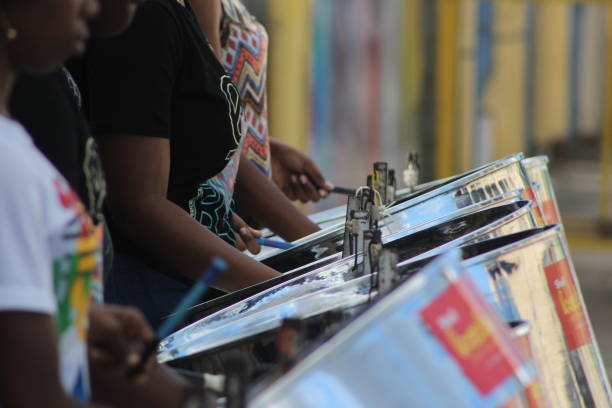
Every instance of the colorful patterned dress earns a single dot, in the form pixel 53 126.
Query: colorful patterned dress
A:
pixel 244 44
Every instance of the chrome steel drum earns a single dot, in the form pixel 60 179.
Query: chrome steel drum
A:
pixel 524 220
pixel 532 396
pixel 411 348
pixel 504 176
pixel 537 171
pixel 334 216
pixel 286 260
pixel 395 223
pixel 292 259
pixel 263 311
pixel 533 279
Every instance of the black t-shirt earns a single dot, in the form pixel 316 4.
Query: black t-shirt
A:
pixel 48 107
pixel 161 79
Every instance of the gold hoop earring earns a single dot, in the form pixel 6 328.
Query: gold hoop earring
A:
pixel 10 32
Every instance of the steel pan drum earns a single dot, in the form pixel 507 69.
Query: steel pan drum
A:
pixel 337 215
pixel 217 304
pixel 532 396
pixel 504 176
pixel 403 351
pixel 256 344
pixel 533 279
pixel 262 312
pixel 529 275
pixel 537 171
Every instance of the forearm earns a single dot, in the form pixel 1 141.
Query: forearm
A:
pixel 161 388
pixel 30 361
pixel 171 236
pixel 268 205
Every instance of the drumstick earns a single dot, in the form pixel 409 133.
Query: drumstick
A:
pixel 343 190
pixel 213 382
pixel 274 243
pixel 192 297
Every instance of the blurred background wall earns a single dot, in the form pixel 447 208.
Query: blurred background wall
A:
pixel 462 82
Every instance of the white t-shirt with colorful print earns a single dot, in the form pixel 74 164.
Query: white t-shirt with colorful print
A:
pixel 50 251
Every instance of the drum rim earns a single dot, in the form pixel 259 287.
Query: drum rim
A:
pixel 548 232
pixel 462 180
pixel 525 207
pixel 450 259
pixel 513 196
pixel 444 189
pixel 535 161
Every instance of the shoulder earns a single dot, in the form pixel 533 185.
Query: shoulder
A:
pixel 25 262
pixel 156 25
pixel 45 106
pixel 35 95
pixel 19 158
pixel 164 12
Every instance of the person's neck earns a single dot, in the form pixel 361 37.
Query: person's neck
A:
pixel 7 78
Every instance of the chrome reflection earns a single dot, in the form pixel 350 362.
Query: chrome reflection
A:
pixel 534 280
pixel 392 225
pixel 437 198
pixel 537 172
pixel 391 356
pixel 422 243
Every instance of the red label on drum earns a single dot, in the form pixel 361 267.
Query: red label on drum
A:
pixel 533 392
pixel 550 210
pixel 532 398
pixel 462 326
pixel 529 195
pixel 570 309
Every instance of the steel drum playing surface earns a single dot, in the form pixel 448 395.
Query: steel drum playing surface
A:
pixel 202 336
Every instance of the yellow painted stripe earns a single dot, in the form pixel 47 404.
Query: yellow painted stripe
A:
pixel 289 66
pixel 606 140
pixel 467 84
pixel 552 37
pixel 446 82
pixel 505 98
pixel 589 243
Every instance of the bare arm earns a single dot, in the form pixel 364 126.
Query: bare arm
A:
pixel 210 13
pixel 161 388
pixel 137 170
pixel 296 174
pixel 116 338
pixel 267 204
pixel 29 373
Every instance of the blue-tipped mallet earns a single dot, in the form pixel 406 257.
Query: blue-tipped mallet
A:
pixel 275 243
pixel 192 297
